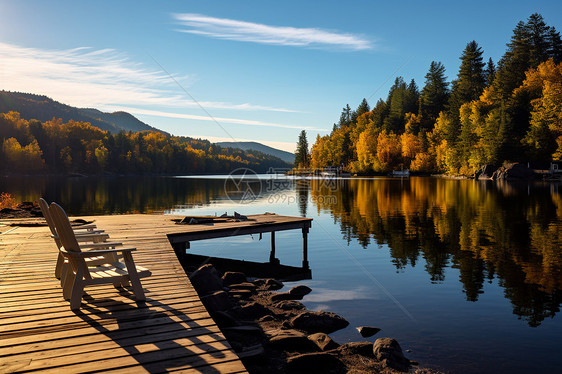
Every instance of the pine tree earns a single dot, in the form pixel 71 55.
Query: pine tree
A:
pixel 302 156
pixel 435 93
pixel 362 108
pixel 470 81
pixel 490 72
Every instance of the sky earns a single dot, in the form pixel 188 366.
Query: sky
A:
pixel 242 70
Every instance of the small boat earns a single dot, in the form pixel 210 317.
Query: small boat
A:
pixel 400 173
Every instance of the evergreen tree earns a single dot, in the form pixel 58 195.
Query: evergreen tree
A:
pixel 345 117
pixel 490 72
pixel 470 81
pixel 532 42
pixel 302 156
pixel 434 94
pixel 397 98
pixel 362 108
pixel 412 98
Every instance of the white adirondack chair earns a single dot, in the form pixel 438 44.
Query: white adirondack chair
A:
pixel 84 234
pixel 78 273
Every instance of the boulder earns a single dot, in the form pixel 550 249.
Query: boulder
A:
pixel 485 172
pixel 312 322
pixel 290 340
pixel 244 294
pixel 243 286
pixel 515 171
pixel 319 362
pixel 224 319
pixel 368 331
pixel 388 351
pixel 216 301
pixel 300 291
pixel 268 284
pixel 323 341
pixel 206 280
pixel 289 305
pixel 359 348
pixel 255 310
pixel 233 277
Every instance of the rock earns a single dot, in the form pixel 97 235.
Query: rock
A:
pixel 323 341
pixel 250 352
pixel 206 280
pixel 268 284
pixel 216 301
pixel 223 319
pixel 255 310
pixel 291 340
pixel 266 318
pixel 367 331
pixel 282 296
pixel 320 362
pixel 390 353
pixel 360 348
pixel 245 294
pixel 312 322
pixel 289 305
pixel 233 277
pixel 300 291
pixel 243 286
pixel 515 171
pixel 485 172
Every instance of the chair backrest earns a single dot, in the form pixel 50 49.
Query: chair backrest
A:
pixel 47 214
pixel 63 228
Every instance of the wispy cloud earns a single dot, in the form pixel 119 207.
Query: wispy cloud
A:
pixel 221 120
pixel 224 28
pixel 85 77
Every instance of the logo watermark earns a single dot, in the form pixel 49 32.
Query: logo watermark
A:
pixel 277 186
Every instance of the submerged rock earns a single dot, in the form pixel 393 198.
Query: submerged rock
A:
pixel 300 291
pixel 312 322
pixel 368 331
pixel 388 351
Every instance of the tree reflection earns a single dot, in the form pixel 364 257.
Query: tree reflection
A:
pixel 512 232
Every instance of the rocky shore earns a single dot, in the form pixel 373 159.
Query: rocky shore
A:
pixel 273 332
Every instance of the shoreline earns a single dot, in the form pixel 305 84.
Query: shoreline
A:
pixel 272 331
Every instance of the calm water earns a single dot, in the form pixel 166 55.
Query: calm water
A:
pixel 465 274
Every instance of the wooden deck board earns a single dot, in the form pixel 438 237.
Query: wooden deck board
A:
pixel 170 332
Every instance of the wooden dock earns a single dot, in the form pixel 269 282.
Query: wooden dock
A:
pixel 170 332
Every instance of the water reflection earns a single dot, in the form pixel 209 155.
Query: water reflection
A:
pixel 506 231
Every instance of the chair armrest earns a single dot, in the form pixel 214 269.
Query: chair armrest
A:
pixel 100 245
pixel 89 232
pixel 84 227
pixel 97 252
pixel 91 237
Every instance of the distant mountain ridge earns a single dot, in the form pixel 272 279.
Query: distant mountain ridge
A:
pixel 246 146
pixel 43 108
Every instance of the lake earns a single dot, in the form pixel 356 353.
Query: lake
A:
pixel 466 274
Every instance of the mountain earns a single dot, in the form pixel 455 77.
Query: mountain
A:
pixel 245 146
pixel 42 108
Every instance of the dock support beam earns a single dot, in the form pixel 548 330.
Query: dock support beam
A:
pixel 272 258
pixel 305 247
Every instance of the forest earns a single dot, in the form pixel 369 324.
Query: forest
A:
pixel 490 114
pixel 54 147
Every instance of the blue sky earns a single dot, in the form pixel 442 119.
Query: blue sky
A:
pixel 248 70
